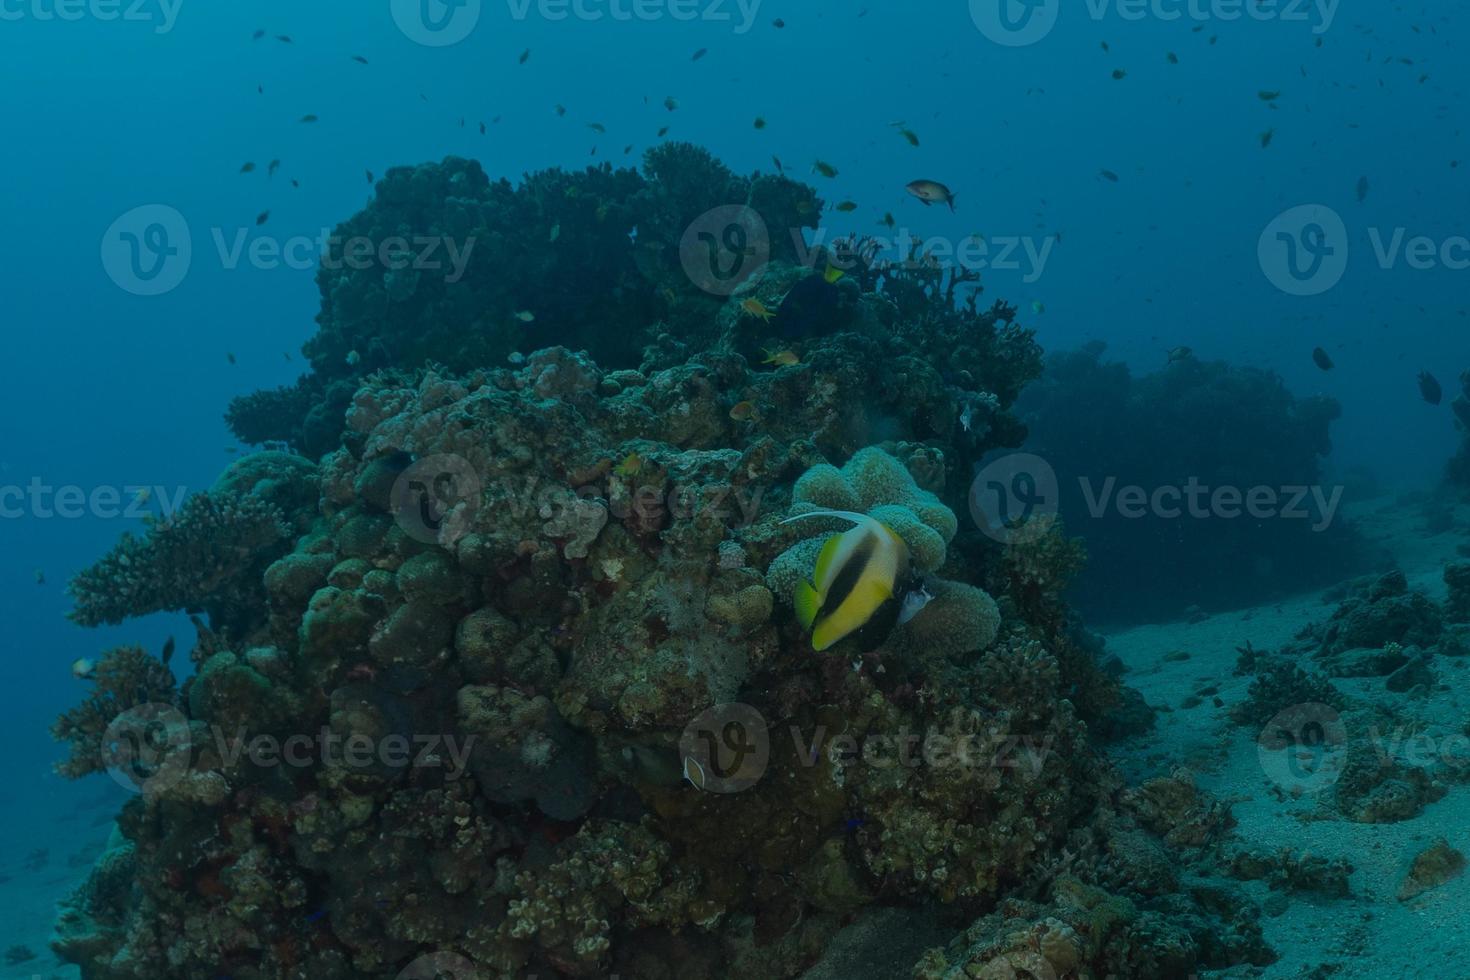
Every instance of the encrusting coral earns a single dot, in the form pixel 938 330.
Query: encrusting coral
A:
pixel 522 634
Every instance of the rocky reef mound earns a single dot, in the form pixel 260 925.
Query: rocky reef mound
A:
pixel 506 680
pixel 1200 484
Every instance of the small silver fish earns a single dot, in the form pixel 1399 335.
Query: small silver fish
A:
pixel 914 603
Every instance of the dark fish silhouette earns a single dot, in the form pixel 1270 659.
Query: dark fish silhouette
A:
pixel 1430 389
pixel 1322 360
pixel 1362 189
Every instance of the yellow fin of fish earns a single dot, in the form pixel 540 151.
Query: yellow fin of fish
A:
pixel 807 603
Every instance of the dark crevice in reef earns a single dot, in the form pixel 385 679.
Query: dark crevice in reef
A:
pixel 547 573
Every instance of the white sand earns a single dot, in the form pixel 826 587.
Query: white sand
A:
pixel 1372 934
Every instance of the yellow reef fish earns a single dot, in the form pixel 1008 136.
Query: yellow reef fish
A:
pixel 744 412
pixel 862 582
pixel 754 307
pixel 824 168
pixel 784 358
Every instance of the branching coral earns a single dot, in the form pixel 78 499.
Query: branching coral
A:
pixel 208 557
pixel 124 678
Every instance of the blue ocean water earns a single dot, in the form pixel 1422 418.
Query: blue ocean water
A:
pixel 1152 188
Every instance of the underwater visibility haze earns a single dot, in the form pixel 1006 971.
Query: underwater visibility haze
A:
pixel 756 489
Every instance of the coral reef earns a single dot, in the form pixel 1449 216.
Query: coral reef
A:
pixel 123 679
pixel 510 672
pixel 209 556
pixel 1228 431
pixel 477 254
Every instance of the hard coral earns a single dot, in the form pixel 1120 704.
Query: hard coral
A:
pixel 124 678
pixel 529 607
pixel 210 555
